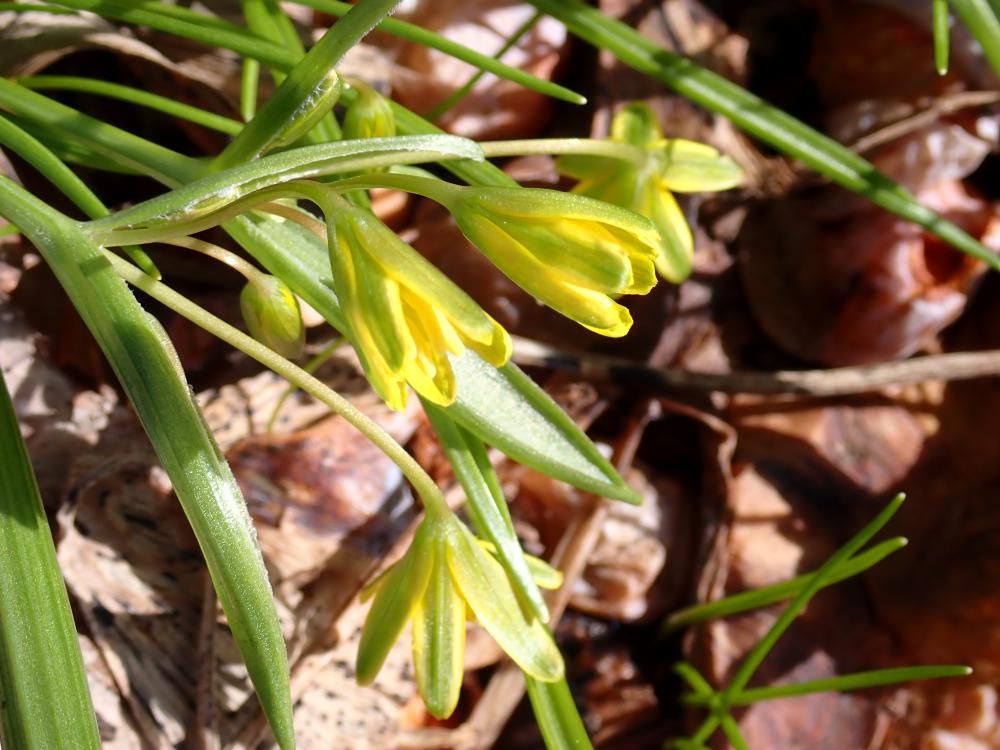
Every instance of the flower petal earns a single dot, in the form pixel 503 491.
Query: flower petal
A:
pixel 395 600
pixel 676 247
pixel 485 587
pixel 690 167
pixel 439 641
pixel 591 309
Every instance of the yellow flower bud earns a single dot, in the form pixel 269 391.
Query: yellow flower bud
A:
pixel 369 115
pixel 573 253
pixel 405 317
pixel 272 315
pixel 671 165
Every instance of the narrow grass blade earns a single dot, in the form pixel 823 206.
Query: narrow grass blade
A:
pixel 50 167
pixel 941 28
pixel 147 366
pixel 981 19
pixel 44 701
pixel 425 38
pixel 557 715
pixel 155 102
pixel 856 681
pixel 755 116
pixel 829 569
pixel 768 595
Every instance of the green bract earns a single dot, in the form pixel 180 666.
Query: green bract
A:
pixel 272 315
pixel 647 185
pixel 445 572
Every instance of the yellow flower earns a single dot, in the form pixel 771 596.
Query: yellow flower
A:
pixel 405 317
pixel 573 253
pixel 647 187
pixel 446 572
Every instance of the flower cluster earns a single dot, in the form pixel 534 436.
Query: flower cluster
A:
pixel 646 185
pixel 446 575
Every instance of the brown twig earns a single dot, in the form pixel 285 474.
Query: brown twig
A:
pixel 840 381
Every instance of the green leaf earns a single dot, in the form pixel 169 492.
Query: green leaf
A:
pixel 44 702
pixel 981 20
pixel 506 409
pixel 755 116
pixel 486 503
pixel 557 715
pixel 777 592
pixel 856 681
pixel 217 196
pixel 146 364
pixel 940 26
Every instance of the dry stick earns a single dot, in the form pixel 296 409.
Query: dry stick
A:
pixel 946 105
pixel 839 381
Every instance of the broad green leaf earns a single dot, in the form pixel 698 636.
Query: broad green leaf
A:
pixel 44 702
pixel 147 367
pixel 506 409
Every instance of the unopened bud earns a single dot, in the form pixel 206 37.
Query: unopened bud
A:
pixel 369 115
pixel 272 315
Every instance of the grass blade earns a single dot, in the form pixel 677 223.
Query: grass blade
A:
pixel 45 702
pixel 768 595
pixel 418 35
pixel 755 116
pixel 829 569
pixel 941 28
pixel 856 681
pixel 981 19
pixel 148 369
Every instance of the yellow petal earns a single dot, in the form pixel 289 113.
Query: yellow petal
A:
pixel 690 167
pixel 395 600
pixel 591 309
pixel 439 641
pixel 485 587
pixel 429 370
pixel 676 248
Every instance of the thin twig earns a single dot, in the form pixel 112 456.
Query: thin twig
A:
pixel 840 381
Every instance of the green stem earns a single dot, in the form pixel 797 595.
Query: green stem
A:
pixel 459 94
pixel 310 367
pixel 940 25
pixel 422 482
pixel 133 95
pixel 549 146
pixel 307 84
pixel 246 270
